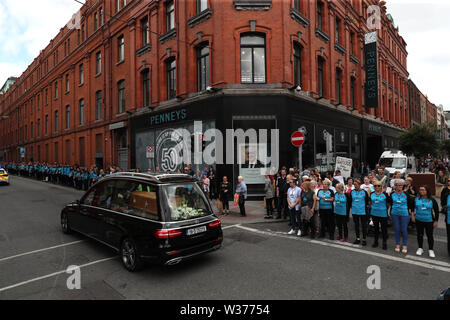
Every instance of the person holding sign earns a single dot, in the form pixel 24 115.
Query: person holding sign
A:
pixel 359 200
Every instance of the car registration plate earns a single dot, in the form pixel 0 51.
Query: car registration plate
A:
pixel 195 231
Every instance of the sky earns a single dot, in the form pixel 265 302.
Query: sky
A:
pixel 27 26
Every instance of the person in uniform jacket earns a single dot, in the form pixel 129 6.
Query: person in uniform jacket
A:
pixel 341 212
pixel 425 214
pixel 325 197
pixel 380 203
pixel 359 207
pixel 445 204
pixel 400 213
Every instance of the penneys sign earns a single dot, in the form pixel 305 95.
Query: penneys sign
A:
pixel 371 66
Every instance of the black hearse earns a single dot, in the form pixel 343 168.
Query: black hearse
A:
pixel 163 218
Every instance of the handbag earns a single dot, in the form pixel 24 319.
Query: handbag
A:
pixel 219 206
pixel 236 200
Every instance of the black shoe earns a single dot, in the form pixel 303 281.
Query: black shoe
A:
pixel 357 241
pixel 266 217
pixel 270 217
pixel 332 238
pixel 375 245
pixel 364 243
pixel 384 246
pixel 278 217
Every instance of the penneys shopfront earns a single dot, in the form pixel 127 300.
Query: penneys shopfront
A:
pixel 328 133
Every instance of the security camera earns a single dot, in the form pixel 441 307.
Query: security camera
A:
pixel 210 89
pixel 298 89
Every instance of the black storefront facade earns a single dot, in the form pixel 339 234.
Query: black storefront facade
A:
pixel 329 132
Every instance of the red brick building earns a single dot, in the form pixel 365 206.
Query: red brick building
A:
pixel 431 113
pixel 96 94
pixel 414 104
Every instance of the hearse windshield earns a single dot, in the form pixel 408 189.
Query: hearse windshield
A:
pixel 185 201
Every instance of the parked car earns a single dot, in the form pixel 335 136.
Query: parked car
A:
pixel 162 218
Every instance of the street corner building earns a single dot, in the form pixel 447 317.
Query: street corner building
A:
pixel 104 90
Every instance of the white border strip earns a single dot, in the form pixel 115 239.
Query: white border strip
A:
pixel 53 274
pixel 376 254
pixel 41 250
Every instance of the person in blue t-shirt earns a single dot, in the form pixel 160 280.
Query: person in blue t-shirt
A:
pixel 359 204
pixel 381 202
pixel 341 212
pixel 325 197
pixel 423 217
pixel 445 204
pixel 400 214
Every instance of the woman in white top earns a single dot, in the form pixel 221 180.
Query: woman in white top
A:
pixel 367 186
pixel 294 202
pixel 397 176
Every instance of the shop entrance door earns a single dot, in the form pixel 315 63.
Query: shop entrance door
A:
pixel 374 149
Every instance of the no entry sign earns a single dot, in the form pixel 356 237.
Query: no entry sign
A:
pixel 297 139
pixel 150 152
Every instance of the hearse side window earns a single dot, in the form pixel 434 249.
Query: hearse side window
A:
pixel 87 200
pixel 103 195
pixel 136 198
pixel 185 201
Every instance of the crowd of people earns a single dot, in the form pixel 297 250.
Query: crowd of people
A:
pixel 318 205
pixel 315 204
pixel 76 176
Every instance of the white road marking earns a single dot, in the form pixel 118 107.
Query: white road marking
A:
pixel 41 250
pixel 432 261
pixel 53 274
pixel 233 226
pixel 348 248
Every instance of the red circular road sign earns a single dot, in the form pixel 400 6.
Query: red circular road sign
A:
pixel 297 139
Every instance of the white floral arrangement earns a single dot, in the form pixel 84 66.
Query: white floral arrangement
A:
pixel 184 212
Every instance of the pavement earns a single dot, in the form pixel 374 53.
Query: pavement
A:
pixel 258 260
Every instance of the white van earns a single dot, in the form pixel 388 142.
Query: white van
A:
pixel 396 161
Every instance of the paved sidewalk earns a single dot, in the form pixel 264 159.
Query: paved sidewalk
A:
pixel 254 209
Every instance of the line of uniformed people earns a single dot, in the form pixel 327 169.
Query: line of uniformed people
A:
pixel 335 209
pixel 73 176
